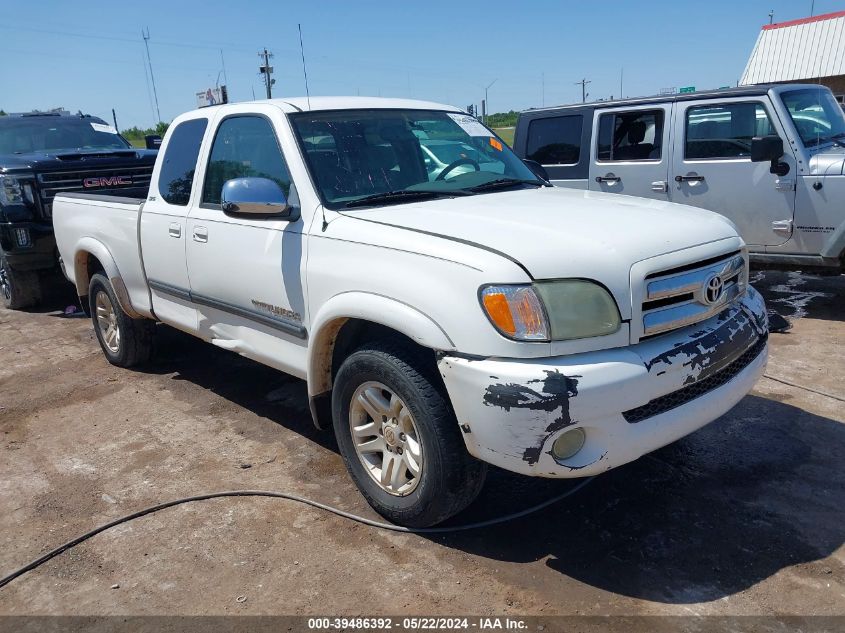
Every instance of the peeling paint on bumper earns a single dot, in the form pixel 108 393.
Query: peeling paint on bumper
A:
pixel 511 411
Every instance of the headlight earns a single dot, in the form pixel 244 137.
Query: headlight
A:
pixel 15 190
pixel 578 308
pixel 551 310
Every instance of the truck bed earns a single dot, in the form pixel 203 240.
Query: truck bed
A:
pixel 107 227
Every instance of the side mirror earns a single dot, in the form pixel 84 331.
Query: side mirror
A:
pixel 769 148
pixel 765 148
pixel 537 169
pixel 260 197
pixel 152 141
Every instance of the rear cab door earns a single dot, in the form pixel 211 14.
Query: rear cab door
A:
pixel 163 223
pixel 632 150
pixel 712 166
pixel 246 272
pixel 560 141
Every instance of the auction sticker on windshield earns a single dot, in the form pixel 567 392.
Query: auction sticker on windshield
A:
pixel 99 127
pixel 469 124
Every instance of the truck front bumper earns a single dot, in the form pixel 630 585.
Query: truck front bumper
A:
pixel 628 401
pixel 38 253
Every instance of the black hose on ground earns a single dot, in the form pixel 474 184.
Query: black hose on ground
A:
pixel 291 497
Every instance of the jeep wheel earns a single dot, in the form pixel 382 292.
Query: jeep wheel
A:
pixel 399 438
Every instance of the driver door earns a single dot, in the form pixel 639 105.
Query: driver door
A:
pixel 712 167
pixel 246 272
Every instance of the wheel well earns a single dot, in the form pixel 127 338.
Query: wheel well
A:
pixel 87 265
pixel 337 341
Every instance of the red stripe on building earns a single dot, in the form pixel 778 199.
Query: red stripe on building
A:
pixel 815 18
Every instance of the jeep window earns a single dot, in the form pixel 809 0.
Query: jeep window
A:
pixel 724 130
pixel 52 134
pixel 244 146
pixel 816 115
pixel 402 155
pixel 630 136
pixel 555 140
pixel 180 161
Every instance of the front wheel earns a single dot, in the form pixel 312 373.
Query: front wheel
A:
pixel 18 289
pixel 399 438
pixel 125 341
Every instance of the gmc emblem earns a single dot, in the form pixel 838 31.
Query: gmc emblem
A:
pixel 111 181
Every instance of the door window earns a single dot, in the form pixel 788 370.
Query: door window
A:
pixel 555 140
pixel 244 146
pixel 630 136
pixel 180 161
pixel 724 130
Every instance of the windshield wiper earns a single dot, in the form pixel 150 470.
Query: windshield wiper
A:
pixel 404 195
pixel 501 183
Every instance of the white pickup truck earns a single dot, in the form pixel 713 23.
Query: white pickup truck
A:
pixel 444 317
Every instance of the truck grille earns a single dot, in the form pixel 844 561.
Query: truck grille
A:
pixel 682 296
pixel 91 181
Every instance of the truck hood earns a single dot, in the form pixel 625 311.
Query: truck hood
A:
pixel 553 232
pixel 828 162
pixel 75 159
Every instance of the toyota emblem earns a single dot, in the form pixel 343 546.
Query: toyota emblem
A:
pixel 713 288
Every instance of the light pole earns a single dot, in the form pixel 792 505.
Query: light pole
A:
pixel 486 102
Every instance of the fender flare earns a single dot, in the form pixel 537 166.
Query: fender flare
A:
pixel 366 306
pixel 82 276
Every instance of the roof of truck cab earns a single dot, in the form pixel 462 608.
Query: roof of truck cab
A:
pixel 304 104
pixel 741 91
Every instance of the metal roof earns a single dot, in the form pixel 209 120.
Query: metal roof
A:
pixel 798 50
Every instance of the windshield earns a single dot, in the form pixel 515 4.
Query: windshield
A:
pixel 390 156
pixel 816 115
pixel 22 135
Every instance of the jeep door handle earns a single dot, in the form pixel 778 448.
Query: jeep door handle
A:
pixel 609 178
pixel 689 178
pixel 661 186
pixel 175 230
pixel 200 234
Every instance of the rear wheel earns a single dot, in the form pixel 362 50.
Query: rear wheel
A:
pixel 399 438
pixel 125 341
pixel 18 289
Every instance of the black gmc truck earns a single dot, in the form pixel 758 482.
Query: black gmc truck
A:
pixel 42 154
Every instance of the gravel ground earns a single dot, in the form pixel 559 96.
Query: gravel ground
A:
pixel 746 516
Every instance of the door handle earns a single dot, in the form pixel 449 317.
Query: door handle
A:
pixel 175 230
pixel 200 234
pixel 660 185
pixel 610 179
pixel 689 178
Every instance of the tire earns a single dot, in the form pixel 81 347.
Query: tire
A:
pixel 125 341
pixel 18 289
pixel 426 435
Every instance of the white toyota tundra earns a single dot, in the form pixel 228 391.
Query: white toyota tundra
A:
pixel 444 316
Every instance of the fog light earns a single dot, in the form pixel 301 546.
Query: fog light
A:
pixel 568 444
pixel 22 238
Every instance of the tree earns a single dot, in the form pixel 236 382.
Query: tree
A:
pixel 2 113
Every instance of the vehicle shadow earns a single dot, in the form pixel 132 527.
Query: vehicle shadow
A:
pixel 759 490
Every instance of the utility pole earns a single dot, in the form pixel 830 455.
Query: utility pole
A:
pixel 485 104
pixel 583 83
pixel 267 71
pixel 771 16
pixel 223 65
pixel 146 37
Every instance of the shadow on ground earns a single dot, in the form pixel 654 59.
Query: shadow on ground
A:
pixel 758 491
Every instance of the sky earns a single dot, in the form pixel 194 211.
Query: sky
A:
pixel 91 56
